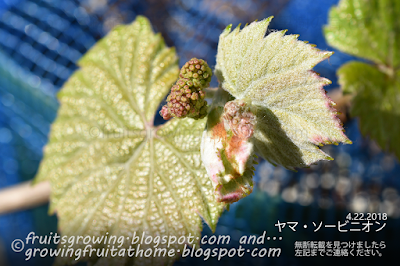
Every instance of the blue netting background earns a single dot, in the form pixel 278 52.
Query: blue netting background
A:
pixel 40 41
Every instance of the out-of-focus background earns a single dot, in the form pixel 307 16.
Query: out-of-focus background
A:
pixel 40 42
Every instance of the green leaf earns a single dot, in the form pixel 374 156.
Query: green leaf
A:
pixel 368 29
pixel 111 171
pixel 376 102
pixel 273 76
pixel 371 30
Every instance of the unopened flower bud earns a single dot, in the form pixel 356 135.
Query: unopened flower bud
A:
pixel 165 113
pixel 197 71
pixel 187 98
pixel 239 119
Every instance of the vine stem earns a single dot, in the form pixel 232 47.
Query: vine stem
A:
pixel 24 196
pixel 210 92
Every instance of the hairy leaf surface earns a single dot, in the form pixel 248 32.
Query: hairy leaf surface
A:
pixel 111 171
pixel 272 74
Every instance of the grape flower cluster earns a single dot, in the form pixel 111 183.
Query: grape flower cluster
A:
pixel 239 118
pixel 187 96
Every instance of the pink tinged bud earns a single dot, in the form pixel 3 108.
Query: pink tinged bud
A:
pixel 231 108
pixel 195 96
pixel 187 95
pixel 245 131
pixel 165 113
pixel 181 82
pixel 202 94
pixel 239 119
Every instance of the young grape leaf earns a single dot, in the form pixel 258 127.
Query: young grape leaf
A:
pixel 112 172
pixel 227 157
pixel 377 102
pixel 272 74
pixel 366 28
pixel 371 30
